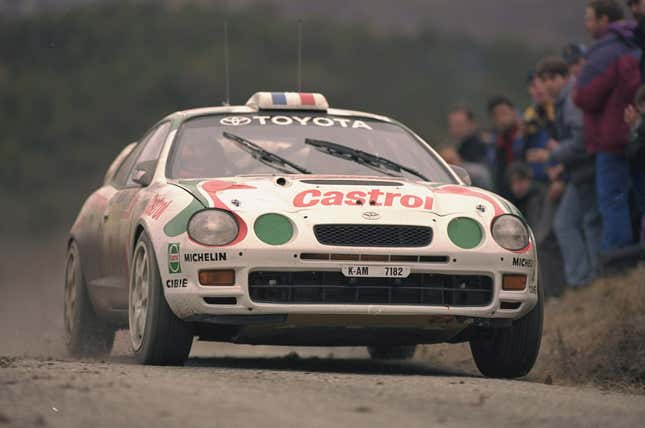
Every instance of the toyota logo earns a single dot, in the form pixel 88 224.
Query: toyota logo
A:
pixel 371 215
pixel 235 120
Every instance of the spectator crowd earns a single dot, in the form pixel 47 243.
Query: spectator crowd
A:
pixel 574 161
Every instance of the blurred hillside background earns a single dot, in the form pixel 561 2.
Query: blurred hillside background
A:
pixel 79 79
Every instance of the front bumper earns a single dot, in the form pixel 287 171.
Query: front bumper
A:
pixel 190 300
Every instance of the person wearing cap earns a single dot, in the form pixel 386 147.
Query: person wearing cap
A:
pixel 574 55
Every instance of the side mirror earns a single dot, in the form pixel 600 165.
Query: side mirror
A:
pixel 143 172
pixel 462 174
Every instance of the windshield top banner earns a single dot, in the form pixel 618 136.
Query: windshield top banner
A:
pixel 322 121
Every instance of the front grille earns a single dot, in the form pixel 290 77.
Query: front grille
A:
pixel 373 235
pixel 323 287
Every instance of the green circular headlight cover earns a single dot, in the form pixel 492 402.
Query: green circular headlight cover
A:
pixel 465 232
pixel 273 229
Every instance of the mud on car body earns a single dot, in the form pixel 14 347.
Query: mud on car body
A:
pixel 288 222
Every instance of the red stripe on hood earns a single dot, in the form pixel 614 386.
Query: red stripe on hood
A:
pixel 463 191
pixel 212 187
pixel 457 190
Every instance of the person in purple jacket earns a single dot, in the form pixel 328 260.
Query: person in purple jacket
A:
pixel 606 86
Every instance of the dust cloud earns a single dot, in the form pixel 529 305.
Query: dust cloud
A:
pixel 31 290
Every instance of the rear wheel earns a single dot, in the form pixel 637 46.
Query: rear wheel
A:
pixel 156 334
pixel 391 352
pixel 85 334
pixel 510 352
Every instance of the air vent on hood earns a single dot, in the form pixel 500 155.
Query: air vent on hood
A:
pixel 352 183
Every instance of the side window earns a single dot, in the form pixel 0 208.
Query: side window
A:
pixel 151 148
pixel 117 162
pixel 126 166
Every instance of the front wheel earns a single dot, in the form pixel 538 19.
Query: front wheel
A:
pixel 157 336
pixel 391 352
pixel 510 352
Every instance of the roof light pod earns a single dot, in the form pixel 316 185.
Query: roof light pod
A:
pixel 288 101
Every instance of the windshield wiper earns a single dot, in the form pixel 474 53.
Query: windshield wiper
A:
pixel 369 160
pixel 265 156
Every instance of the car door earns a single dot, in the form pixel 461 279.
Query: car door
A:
pixel 91 224
pixel 118 217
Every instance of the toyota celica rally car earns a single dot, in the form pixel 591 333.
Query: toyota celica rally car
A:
pixel 287 222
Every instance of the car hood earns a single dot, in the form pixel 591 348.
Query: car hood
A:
pixel 369 195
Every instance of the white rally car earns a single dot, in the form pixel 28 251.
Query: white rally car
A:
pixel 287 222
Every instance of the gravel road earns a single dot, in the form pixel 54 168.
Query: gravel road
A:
pixel 290 391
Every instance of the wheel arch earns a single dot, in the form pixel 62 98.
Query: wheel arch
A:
pixel 138 231
pixel 80 247
pixel 81 242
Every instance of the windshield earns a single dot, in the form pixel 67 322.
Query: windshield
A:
pixel 202 148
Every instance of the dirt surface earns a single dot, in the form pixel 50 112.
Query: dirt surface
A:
pixel 229 386
pixel 233 392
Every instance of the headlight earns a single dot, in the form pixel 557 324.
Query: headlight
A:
pixel 213 227
pixel 510 232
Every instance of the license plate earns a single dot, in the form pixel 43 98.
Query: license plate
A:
pixel 357 271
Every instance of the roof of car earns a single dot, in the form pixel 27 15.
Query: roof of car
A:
pixel 187 114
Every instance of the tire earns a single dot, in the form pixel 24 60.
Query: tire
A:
pixel 510 352
pixel 157 336
pixel 86 335
pixel 391 352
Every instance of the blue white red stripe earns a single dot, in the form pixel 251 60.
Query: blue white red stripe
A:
pixel 288 101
